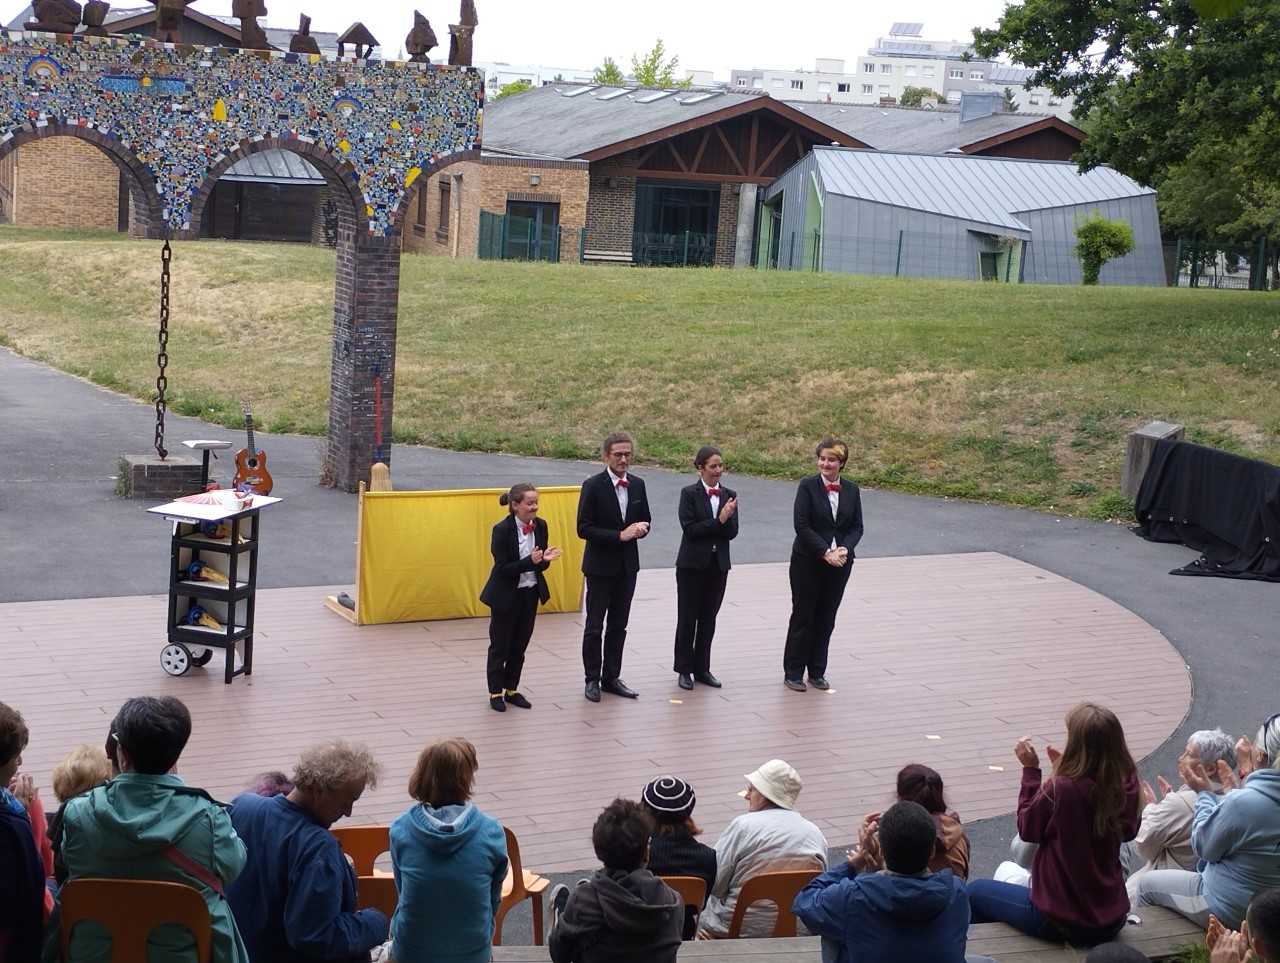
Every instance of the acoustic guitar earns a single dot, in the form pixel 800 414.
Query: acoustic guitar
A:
pixel 251 463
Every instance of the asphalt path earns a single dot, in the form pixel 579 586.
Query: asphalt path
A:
pixel 65 534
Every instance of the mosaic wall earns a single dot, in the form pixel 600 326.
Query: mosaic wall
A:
pixel 182 109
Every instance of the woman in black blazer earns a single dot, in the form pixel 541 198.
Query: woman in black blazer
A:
pixel 708 520
pixel 828 521
pixel 515 587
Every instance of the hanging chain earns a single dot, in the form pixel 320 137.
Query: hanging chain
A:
pixel 162 357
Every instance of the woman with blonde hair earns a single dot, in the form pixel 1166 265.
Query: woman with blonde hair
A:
pixel 449 859
pixel 1079 818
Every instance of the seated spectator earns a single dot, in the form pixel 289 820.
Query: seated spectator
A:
pixel 622 914
pixel 296 899
pixel 84 768
pixel 1236 836
pixel 673 848
pixel 903 912
pixel 1116 953
pixel 1164 836
pixel 450 860
pixel 920 784
pixel 22 874
pixel 147 824
pixel 1078 818
pixel 271 783
pixel 1260 934
pixel 769 837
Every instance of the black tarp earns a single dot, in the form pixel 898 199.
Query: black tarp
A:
pixel 1222 505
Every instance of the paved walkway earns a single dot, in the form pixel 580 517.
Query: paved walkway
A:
pixel 65 535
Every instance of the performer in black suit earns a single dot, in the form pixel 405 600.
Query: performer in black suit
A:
pixel 516 585
pixel 708 520
pixel 828 520
pixel 613 514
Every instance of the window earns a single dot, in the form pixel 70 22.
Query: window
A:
pixel 758 83
pixel 824 87
pixel 842 88
pixel 1055 101
pixel 886 68
pixel 927 71
pixel 868 89
pixel 797 85
pixel 742 81
pixel 421 219
pixel 868 68
pixel 442 229
pixel 778 82
pixel 884 90
pixel 1035 100
pixel 975 74
pixel 957 73
pixel 910 70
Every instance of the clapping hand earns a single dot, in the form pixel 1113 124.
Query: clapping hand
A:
pixel 867 857
pixel 1194 775
pixel 1026 753
pixel 551 554
pixel 1227 776
pixel 24 789
pixel 1226 946
pixel 727 509
pixel 1249 757
pixel 1053 754
pixel 1165 786
pixel 1148 794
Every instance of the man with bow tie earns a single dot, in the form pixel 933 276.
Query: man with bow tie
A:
pixel 613 515
pixel 708 521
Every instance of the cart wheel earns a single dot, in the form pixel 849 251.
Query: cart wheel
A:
pixel 203 658
pixel 175 658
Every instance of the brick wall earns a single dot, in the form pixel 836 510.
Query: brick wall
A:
pixel 63 182
pixel 486 186
pixel 8 165
pixel 727 226
pixel 611 213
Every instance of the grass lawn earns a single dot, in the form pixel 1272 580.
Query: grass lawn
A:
pixel 1019 394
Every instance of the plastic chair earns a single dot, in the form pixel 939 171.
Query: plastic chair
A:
pixel 520 885
pixel 692 889
pixel 364 844
pixel 129 909
pixel 777 888
pixel 377 892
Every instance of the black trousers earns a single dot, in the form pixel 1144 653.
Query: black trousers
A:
pixel 816 591
pixel 699 593
pixel 608 597
pixel 509 635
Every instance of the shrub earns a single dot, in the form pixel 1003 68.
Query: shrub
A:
pixel 1098 240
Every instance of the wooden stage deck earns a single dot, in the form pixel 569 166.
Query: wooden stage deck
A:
pixel 942 659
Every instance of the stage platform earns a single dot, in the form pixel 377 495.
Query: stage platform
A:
pixel 941 659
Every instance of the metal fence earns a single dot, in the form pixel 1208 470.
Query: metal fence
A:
pixel 507 237
pixel 686 249
pixel 1197 263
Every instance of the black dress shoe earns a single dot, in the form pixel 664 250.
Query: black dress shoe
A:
pixel 496 704
pixel 619 688
pixel 519 701
pixel 706 678
pixel 593 692
pixel 795 685
pixel 685 680
pixel 819 683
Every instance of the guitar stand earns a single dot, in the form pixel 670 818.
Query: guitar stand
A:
pixel 206 448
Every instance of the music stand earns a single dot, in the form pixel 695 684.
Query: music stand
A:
pixel 206 447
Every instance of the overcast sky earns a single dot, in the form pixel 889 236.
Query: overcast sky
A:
pixel 715 35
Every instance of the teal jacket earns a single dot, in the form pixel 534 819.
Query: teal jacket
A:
pixel 122 828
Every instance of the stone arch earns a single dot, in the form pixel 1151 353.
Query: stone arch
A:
pixel 146 218
pixel 406 202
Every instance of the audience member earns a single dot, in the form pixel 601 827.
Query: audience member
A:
pixel 271 783
pixel 296 899
pixel 1078 818
pixel 769 837
pixel 22 875
pixel 920 784
pixel 622 914
pixel 147 824
pixel 673 848
pixel 82 769
pixel 450 860
pixel 1260 934
pixel 903 912
pixel 1236 836
pixel 1116 953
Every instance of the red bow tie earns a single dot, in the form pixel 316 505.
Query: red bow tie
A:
pixel 527 529
pixel 623 483
pixel 713 492
pixel 833 488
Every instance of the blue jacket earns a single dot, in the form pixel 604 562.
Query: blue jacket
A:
pixel 21 885
pixel 449 865
pixel 1237 837
pixel 296 898
pixel 884 918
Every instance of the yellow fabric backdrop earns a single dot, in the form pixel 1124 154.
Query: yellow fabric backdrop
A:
pixel 425 555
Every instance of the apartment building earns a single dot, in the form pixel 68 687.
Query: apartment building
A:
pixel 826 83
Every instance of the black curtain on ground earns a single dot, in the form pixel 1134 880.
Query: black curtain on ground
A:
pixel 1222 505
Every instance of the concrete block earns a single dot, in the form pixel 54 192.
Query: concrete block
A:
pixel 1137 455
pixel 146 476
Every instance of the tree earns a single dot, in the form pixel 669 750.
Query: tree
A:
pixel 1010 102
pixel 608 74
pixel 515 87
pixel 912 96
pixel 1098 240
pixel 654 70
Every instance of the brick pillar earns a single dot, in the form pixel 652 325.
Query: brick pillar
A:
pixel 362 385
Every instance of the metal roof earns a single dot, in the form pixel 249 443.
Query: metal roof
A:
pixel 273 167
pixel 569 120
pixel 984 190
pixel 1000 74
pixel 911 129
